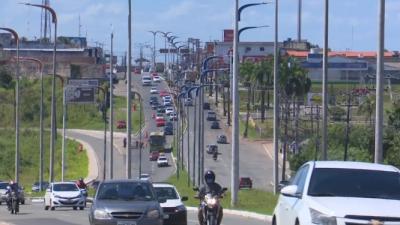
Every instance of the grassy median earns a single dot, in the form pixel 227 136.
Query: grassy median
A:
pixel 253 200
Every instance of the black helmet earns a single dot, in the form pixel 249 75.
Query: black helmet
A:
pixel 209 177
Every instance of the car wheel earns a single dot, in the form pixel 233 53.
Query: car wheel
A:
pixel 1 203
pixel 46 207
pixel 81 208
pixel 23 202
pixel 52 208
pixel 74 208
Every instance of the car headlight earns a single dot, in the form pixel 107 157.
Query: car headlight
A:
pixel 101 214
pixel 153 214
pixel 320 218
pixel 180 208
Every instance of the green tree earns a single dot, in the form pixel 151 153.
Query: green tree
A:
pixel 263 77
pixel 247 75
pixel 367 107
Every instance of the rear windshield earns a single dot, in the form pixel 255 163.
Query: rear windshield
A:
pixel 166 192
pixel 146 78
pixel 65 187
pixel 3 185
pixel 132 191
pixel 328 182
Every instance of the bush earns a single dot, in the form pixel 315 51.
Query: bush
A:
pixel 337 113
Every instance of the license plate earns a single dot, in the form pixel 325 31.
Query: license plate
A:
pixel 126 223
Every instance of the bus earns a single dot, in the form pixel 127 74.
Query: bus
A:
pixel 158 142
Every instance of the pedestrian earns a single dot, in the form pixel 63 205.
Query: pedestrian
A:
pixel 124 142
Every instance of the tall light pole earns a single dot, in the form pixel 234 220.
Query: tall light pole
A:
pixel 300 4
pixel 325 85
pixel 378 158
pixel 140 131
pixel 111 122
pixel 17 76
pixel 129 97
pixel 165 35
pixel 53 89
pixel 276 101
pixel 154 48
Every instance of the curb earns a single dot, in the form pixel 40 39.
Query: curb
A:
pixel 257 216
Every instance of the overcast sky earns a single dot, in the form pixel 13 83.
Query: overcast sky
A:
pixel 353 23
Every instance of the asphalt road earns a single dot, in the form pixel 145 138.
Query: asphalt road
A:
pixel 34 214
pixel 254 161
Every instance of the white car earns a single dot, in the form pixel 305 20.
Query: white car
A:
pixel 153 90
pixel 340 193
pixel 169 110
pixel 3 189
pixel 167 98
pixel 146 81
pixel 167 102
pixel 173 207
pixel 162 161
pixel 64 194
pixel 156 78
pixel 145 177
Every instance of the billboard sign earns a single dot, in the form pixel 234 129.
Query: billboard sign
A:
pixel 76 94
pixel 83 82
pixel 228 35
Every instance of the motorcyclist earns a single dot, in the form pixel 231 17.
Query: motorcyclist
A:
pixel 215 155
pixel 210 187
pixel 81 184
pixel 12 187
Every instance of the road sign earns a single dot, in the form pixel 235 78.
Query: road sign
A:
pixel 80 94
pixel 83 82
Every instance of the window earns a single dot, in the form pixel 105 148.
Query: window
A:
pixel 262 49
pixel 247 49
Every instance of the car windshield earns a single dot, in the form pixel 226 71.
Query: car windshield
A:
pixel 3 185
pixel 166 192
pixel 328 182
pixel 128 191
pixel 65 187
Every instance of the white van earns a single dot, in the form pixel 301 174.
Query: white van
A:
pixel 146 80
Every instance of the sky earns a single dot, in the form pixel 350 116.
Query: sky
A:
pixel 353 23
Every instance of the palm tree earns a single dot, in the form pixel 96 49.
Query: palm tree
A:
pixel 262 77
pixel 246 75
pixel 367 107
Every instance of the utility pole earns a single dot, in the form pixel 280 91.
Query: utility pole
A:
pixel 235 125
pixel 325 86
pixel 129 98
pixel 379 85
pixel 299 21
pixel 348 106
pixel 64 144
pixel 111 121
pixel 276 102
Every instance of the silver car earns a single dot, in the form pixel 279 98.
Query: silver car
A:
pixel 126 202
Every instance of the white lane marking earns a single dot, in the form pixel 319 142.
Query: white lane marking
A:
pixel 5 223
pixel 270 155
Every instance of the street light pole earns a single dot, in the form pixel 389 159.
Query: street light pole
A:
pixel 129 97
pixel 325 86
pixel 17 76
pixel 165 35
pixel 235 124
pixel 111 121
pixel 140 131
pixel 154 48
pixel 53 89
pixel 276 101
pixel 379 85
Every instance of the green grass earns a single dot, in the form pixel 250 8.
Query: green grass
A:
pixel 76 162
pixel 253 133
pixel 249 200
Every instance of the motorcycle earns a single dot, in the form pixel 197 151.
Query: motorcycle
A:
pixel 13 206
pixel 215 155
pixel 211 206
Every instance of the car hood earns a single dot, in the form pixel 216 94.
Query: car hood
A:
pixel 119 205
pixel 342 206
pixel 67 194
pixel 171 203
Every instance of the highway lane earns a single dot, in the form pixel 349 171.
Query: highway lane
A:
pixel 34 214
pixel 254 161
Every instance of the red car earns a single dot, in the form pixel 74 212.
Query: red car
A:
pixel 163 93
pixel 154 156
pixel 121 124
pixel 160 122
pixel 245 182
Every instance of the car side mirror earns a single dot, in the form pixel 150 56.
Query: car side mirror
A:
pixel 283 184
pixel 290 191
pixel 184 198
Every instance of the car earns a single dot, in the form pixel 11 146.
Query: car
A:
pixel 167 97
pixel 159 116
pixel 161 109
pixel 153 90
pixel 95 184
pixel 64 194
pixel 173 207
pixel 211 149
pixel 162 161
pixel 245 182
pixel 215 125
pixel 160 122
pixel 221 139
pixel 206 106
pixel 146 81
pixel 156 79
pixel 169 124
pixel 155 105
pixel 121 124
pixel 145 177
pixel 167 103
pixel 340 192
pixel 137 71
pixel 126 202
pixel 36 188
pixel 211 116
pixel 3 189
pixel 153 99
pixel 188 102
pixel 169 110
pixel 163 93
pixel 154 156
pixel 168 130
pixel 173 116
